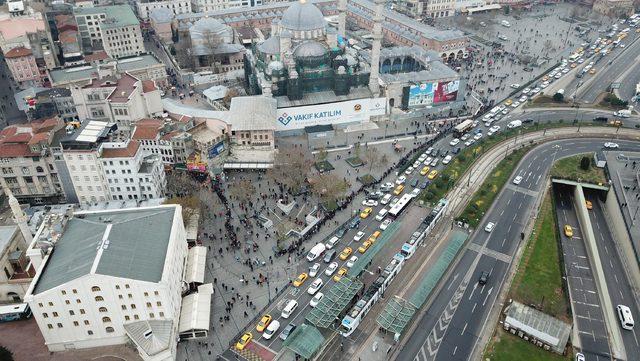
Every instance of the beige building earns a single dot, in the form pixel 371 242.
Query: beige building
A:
pixel 614 8
pixel 23 67
pixel 16 273
pixel 145 7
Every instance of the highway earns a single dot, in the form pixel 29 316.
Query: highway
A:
pixel 455 320
pixel 585 302
pixel 619 286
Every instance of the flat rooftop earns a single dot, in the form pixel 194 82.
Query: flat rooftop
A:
pixel 324 97
pixel 110 243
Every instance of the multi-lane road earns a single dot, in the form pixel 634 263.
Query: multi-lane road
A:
pixel 455 320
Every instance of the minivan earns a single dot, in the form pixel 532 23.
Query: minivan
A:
pixel 624 314
pixel 289 309
pixel 329 256
pixel 383 213
pixel 386 199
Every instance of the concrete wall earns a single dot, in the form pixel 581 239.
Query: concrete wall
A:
pixel 617 347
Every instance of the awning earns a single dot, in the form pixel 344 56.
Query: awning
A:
pixel 192 227
pixel 196 310
pixel 248 165
pixel 196 261
pixel 483 8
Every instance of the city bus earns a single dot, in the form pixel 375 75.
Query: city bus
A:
pixel 463 127
pixel 397 208
pixel 14 312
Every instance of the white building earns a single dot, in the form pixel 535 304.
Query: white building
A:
pixel 131 172
pixel 214 5
pixel 164 139
pixel 145 7
pixel 439 8
pixel 114 28
pixel 16 272
pixel 123 100
pixel 108 282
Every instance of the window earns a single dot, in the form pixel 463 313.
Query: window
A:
pixel 102 309
pixel 71 313
pixel 146 294
pixel 59 325
pixel 109 329
pixel 82 311
pixel 130 295
pixel 95 289
pixel 78 300
pixel 120 296
pixel 126 286
pixel 40 304
pixel 86 322
pixel 76 323
pixel 159 304
pixel 89 332
pixel 133 306
pixel 50 326
pixel 117 287
pixel 161 314
pixel 55 314
pixel 74 291
pixel 45 315
pixel 149 304
pixel 99 298
pixel 51 304
pixel 124 307
pixel 64 292
pixel 135 317
pixel 67 302
pixel 127 318
pixel 106 319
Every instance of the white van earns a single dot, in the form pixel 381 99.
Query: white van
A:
pixel 505 23
pixel 316 252
pixel 624 314
pixel 291 306
pixel 271 330
pixel 514 124
pixel 386 199
pixel 332 242
pixel 383 213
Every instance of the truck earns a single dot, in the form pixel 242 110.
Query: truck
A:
pixel 463 127
pixel 316 252
pixel 624 113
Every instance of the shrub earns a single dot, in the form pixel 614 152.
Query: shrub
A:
pixel 585 163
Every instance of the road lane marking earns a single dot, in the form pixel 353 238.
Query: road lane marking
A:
pixel 463 329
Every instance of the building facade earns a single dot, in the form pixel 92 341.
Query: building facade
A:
pixel 23 67
pixel 16 273
pixel 145 7
pixel 132 281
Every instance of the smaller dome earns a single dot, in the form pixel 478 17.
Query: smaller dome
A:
pixel 270 46
pixel 310 49
pixel 275 66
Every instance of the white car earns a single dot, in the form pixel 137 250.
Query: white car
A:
pixel 611 145
pixel 429 150
pixel 489 227
pixel 422 158
pixel 416 164
pixel 523 99
pixel 408 171
pixel 427 161
pixel 332 268
pixel 415 192
pixel 316 299
pixel 434 162
pixel 505 111
pixel 271 330
pixel 358 236
pixel 454 142
pixel 515 86
pixel 313 270
pixel 370 203
pixel 558 76
pixel 315 286
pixel 515 104
pixel 487 124
pixel 495 128
pixel 469 142
pixel 517 180
pixel 477 136
pixel 352 261
pixel 385 224
pixel 535 90
pixel 565 70
pixel 447 159
pixel 401 180
pixel 464 137
pixel 387 187
pixel 526 91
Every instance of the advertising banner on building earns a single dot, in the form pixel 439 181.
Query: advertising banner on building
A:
pixel 332 113
pixel 426 94
pixel 216 150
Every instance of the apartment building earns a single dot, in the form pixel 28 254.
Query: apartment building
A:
pixel 439 8
pixel 123 100
pixel 157 136
pixel 26 163
pixel 145 7
pixel 17 272
pixel 116 29
pixel 214 5
pixel 101 281
pixel 131 172
pixel 23 67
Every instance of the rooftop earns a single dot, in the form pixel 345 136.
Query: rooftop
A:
pixel 116 16
pixel 18 52
pixel 123 152
pixel 253 113
pixel 148 130
pixel 548 329
pixel 6 235
pixel 137 62
pixel 110 243
pixel 15 139
pixel 324 97
pixel 12 28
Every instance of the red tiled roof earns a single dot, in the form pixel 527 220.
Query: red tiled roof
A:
pixel 37 138
pixel 68 37
pixel 129 151
pixel 45 125
pixel 145 132
pixel 148 86
pixel 11 150
pixel 8 131
pixel 125 86
pixel 15 139
pixel 97 56
pixel 18 52
pixel 170 135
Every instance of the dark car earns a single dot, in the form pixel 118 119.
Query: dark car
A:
pixel 424 185
pixel 414 183
pixel 435 152
pixel 329 255
pixel 527 121
pixel 354 222
pixel 484 276
pixel 455 150
pixel 340 232
pixel 600 119
pixel 287 331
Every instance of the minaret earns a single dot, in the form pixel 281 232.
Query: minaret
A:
pixel 342 18
pixel 375 48
pixel 19 216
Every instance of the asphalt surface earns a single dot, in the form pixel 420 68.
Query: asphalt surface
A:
pixel 454 322
pixel 619 286
pixel 585 302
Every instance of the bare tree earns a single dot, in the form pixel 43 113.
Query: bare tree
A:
pixel 372 156
pixel 291 168
pixel 242 190
pixel 322 154
pixel 231 93
pixel 329 187
pixel 191 205
pixel 181 184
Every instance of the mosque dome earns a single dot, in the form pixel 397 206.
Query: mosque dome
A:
pixel 310 49
pixel 302 16
pixel 270 46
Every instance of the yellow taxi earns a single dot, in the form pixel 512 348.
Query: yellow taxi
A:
pixel 597 50
pixel 367 211
pixel 398 190
pixel 433 174
pixel 573 65
pixel 244 341
pixel 300 280
pixel 592 71
pixel 545 78
pixel 345 253
pixel 365 246
pixel 424 171
pixel 589 204
pixel 374 236
pixel 264 322
pixel 341 272
pixel 508 102
pixel 568 231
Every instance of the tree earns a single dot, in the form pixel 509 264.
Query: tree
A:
pixel 5 354
pixel 329 187
pixel 180 184
pixel 558 97
pixel 290 168
pixel 322 155
pixel 231 93
pixel 585 163
pixel 372 156
pixel 242 190
pixel 191 205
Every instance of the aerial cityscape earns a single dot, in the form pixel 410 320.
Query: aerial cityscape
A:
pixel 357 180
